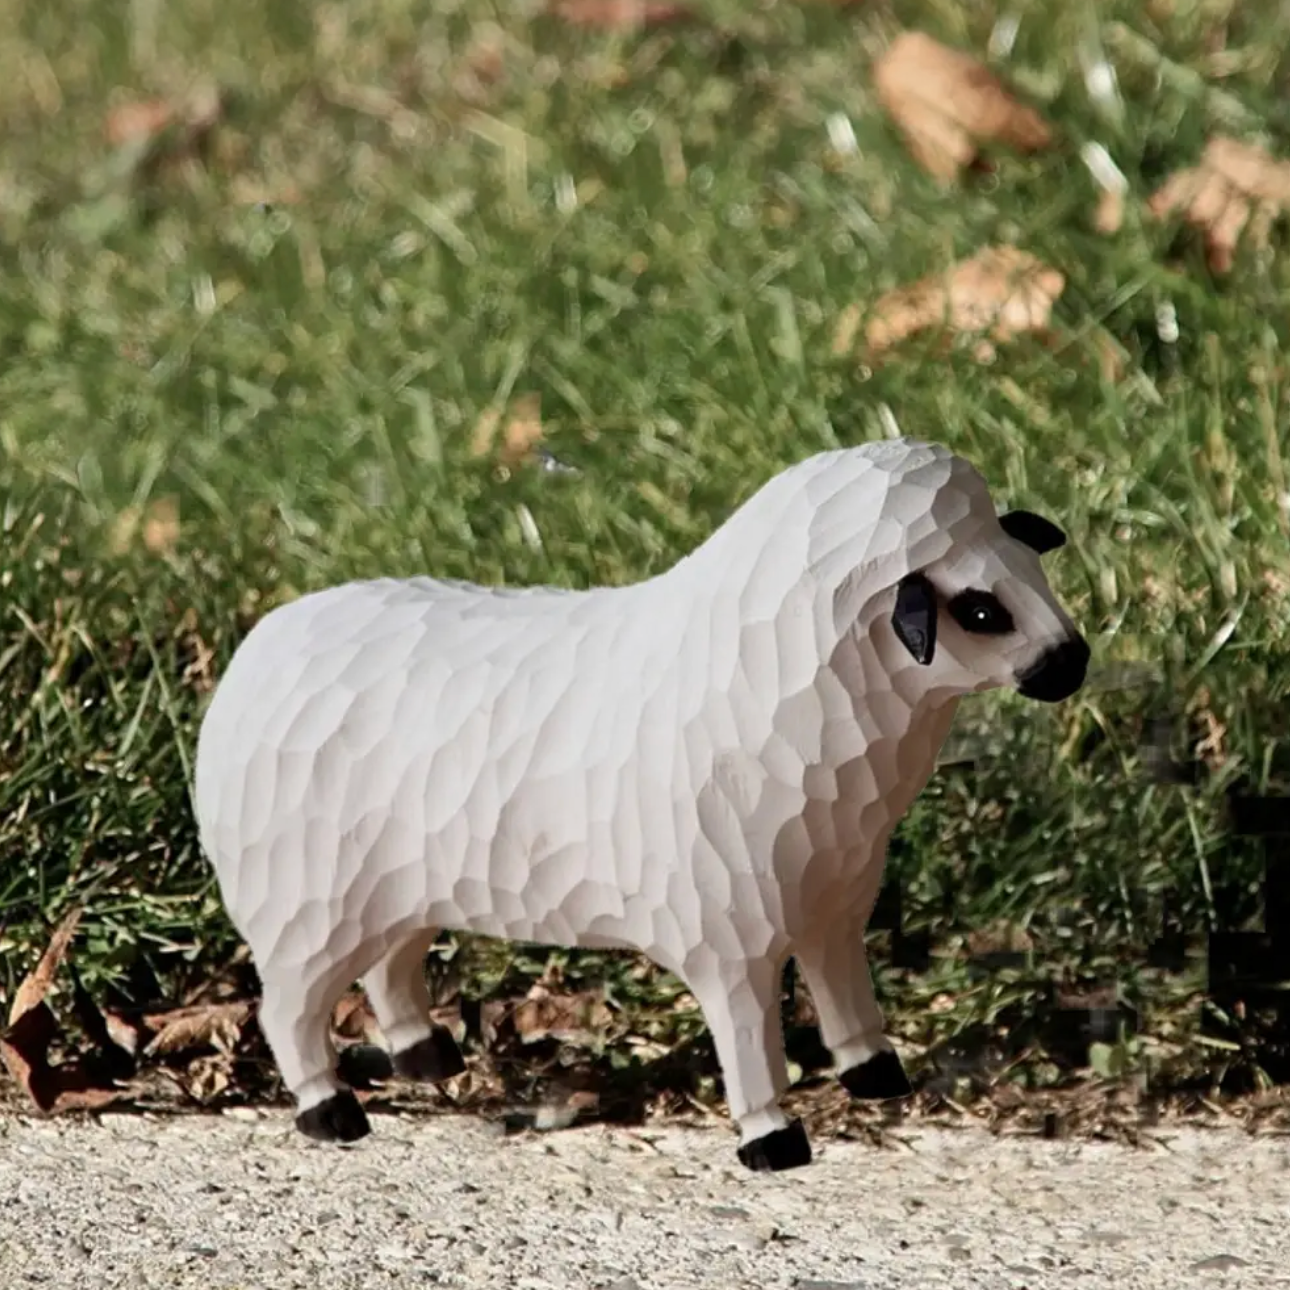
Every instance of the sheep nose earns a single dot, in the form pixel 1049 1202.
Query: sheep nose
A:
pixel 1058 674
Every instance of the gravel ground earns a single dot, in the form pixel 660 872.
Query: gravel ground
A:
pixel 241 1202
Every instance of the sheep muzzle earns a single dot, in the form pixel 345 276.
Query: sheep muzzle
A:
pixel 1058 674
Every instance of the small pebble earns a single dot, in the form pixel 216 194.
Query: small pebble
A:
pixel 1220 1263
pixel 729 1211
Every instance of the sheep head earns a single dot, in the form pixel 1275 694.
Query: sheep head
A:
pixel 949 595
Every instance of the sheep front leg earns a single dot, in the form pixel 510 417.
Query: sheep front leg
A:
pixel 835 963
pixel 295 1018
pixel 740 1003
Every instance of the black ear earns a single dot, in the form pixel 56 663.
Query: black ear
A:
pixel 1036 532
pixel 914 617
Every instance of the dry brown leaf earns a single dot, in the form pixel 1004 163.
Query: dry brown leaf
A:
pixel 121 1032
pixel 207 1077
pixel 157 526
pixel 248 190
pixel 143 121
pixel 25 1043
pixel 1109 214
pixel 131 121
pixel 353 1018
pixel 124 527
pixel 523 430
pixel 24 1049
pixel 946 103
pixel 568 1017
pixel 54 1089
pixel 483 64
pixel 521 434
pixel 35 987
pixel 1251 169
pixel 618 14
pixel 168 140
pixel 1112 357
pixel 205 1025
pixel 199 670
pixel 1235 184
pixel 1000 292
pixel 481 441
pixel 494 1014
pixel 161 525
pixel 1000 937
pixel 115 1039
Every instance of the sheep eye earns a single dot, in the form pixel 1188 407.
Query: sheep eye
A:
pixel 981 613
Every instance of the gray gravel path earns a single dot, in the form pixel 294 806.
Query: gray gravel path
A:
pixel 241 1202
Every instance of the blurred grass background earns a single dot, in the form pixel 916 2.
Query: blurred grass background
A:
pixel 239 375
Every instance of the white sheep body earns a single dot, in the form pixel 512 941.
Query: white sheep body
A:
pixel 704 766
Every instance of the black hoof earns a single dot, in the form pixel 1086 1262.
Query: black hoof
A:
pixel 362 1065
pixel 339 1119
pixel 878 1079
pixel 434 1058
pixel 787 1148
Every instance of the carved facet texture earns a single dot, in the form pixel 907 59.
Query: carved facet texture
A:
pixel 704 766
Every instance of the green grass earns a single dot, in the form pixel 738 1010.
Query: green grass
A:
pixel 303 379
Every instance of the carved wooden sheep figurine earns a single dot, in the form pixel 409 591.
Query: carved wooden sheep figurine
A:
pixel 704 766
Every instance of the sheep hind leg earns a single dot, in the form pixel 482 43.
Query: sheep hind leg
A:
pixel 295 1019
pixel 396 987
pixel 836 968
pixel 745 1027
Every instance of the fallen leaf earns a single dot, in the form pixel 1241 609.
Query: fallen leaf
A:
pixel 135 121
pixel 1000 292
pixel 353 1018
pixel 144 121
pixel 199 670
pixel 1109 214
pixel 1112 357
pixel 523 430
pixel 55 1089
pixel 553 1114
pixel 1236 184
pixel 521 434
pixel 115 1040
pixel 205 1025
pixel 482 66
pixel 207 1077
pixel 247 190
pixel 35 987
pixel 571 1018
pixel 1000 937
pixel 161 525
pixel 32 1029
pixel 946 103
pixel 611 14
pixel 1112 186
pixel 1250 168
pixel 481 442
pixel 164 137
pixel 124 527
pixel 121 1032
pixel 157 526
pixel 494 1015
pixel 24 1048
